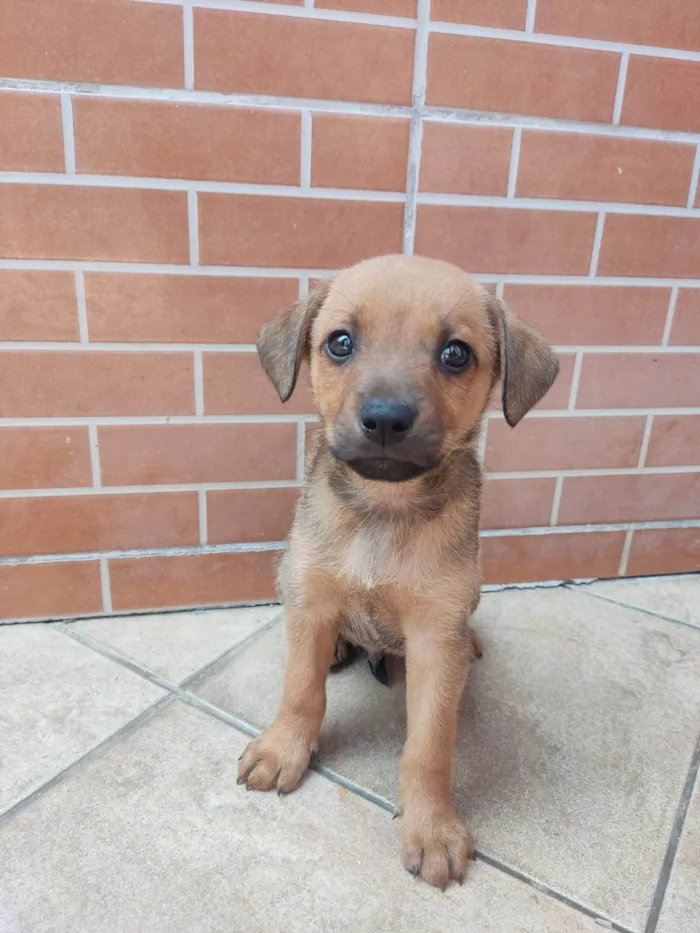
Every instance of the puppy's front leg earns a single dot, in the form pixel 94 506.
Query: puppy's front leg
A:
pixel 280 755
pixel 434 841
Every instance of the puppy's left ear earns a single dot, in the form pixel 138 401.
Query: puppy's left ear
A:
pixel 528 366
pixel 284 342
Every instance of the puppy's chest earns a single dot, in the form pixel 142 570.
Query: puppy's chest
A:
pixel 376 557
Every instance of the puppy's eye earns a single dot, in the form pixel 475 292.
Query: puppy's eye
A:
pixel 340 345
pixel 456 356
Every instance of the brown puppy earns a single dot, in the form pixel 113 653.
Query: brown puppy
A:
pixel 384 552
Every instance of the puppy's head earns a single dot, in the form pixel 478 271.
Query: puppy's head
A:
pixel 404 353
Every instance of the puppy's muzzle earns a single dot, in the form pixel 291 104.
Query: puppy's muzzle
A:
pixel 386 421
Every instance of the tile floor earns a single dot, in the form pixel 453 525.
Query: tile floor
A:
pixel 577 767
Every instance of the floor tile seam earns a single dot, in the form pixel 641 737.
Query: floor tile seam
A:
pixel 583 589
pixel 95 752
pixel 674 840
pixel 389 806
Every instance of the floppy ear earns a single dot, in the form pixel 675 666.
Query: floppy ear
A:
pixel 283 343
pixel 528 364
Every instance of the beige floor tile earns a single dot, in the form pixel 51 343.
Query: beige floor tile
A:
pixel 57 701
pixel 176 644
pixel 681 908
pixel 154 835
pixel 575 737
pixel 675 597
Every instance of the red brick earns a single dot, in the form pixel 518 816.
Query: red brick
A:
pixel 491 239
pixel 663 93
pixel 49 591
pixel 254 54
pixel 666 247
pixel 31 133
pixel 250 230
pixel 182 308
pixel 465 159
pixel 68 524
pixel 645 22
pixel 664 550
pixel 625 498
pixel 563 556
pixel 674 441
pixel 517 503
pixel 250 515
pixel 134 455
pixel 577 166
pixel 235 384
pixel 519 77
pixel 45 384
pixel 42 458
pixel 37 305
pixel 564 444
pixel 194 580
pixel 503 14
pixel 685 329
pixel 592 314
pixel 639 380
pixel 382 7
pixel 72 222
pixel 359 152
pixel 167 140
pixel 114 42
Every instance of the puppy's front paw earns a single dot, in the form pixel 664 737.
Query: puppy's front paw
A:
pixel 278 758
pixel 435 845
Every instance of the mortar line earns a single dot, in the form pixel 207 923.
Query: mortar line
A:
pixel 514 163
pixel 306 137
pixel 193 226
pixel 676 832
pixel 202 510
pixel 301 451
pixel 597 243
pixel 530 16
pixel 95 456
pixel 188 43
pixel 668 326
pixel 556 500
pixel 620 90
pixel 693 190
pixel 646 437
pixel 81 307
pixel 68 132
pixel 575 380
pixel 625 556
pixel 415 143
pixel 198 374
pixel 105 586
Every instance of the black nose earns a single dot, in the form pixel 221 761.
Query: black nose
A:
pixel 386 421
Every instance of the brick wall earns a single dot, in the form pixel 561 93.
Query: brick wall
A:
pixel 173 173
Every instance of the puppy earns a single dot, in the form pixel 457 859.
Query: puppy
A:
pixel 404 353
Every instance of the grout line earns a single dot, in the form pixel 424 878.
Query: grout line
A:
pixel 198 372
pixel 514 162
pixel 530 16
pixel 415 143
pixel 94 456
pixel 620 91
pixel 692 193
pixel 301 451
pixel 678 823
pixel 307 11
pixel 303 286
pixel 106 586
pixel 89 756
pixel 556 500
pixel 646 437
pixel 306 136
pixel 193 226
pixel 587 591
pixel 309 4
pixel 202 508
pixel 624 557
pixel 275 546
pixel 575 380
pixel 68 132
pixel 446 114
pixel 81 305
pixel 597 242
pixel 188 41
pixel 668 326
pixel 481 446
pixel 266 272
pixel 104 346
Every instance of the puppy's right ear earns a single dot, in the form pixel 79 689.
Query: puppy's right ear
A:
pixel 284 342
